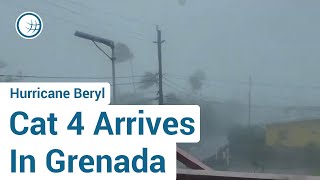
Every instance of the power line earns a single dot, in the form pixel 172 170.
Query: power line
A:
pixel 65 20
pixel 168 85
pixel 124 84
pixel 182 91
pixel 109 13
pixel 64 8
pixel 78 78
pixel 122 77
pixel 210 100
pixel 65 77
pixel 246 83
pixel 202 98
pixel 210 82
pixel 178 76
pixel 119 84
pixel 172 82
pixel 125 18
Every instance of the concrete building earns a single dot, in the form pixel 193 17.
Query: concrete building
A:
pixel 296 134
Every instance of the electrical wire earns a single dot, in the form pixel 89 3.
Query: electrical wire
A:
pixel 125 18
pixel 66 77
pixel 104 12
pixel 64 8
pixel 68 21
pixel 172 82
pixel 247 83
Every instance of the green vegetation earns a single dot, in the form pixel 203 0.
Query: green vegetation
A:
pixel 247 145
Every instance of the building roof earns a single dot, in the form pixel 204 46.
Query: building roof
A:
pixel 294 122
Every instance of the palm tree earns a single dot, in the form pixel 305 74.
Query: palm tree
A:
pixel 148 80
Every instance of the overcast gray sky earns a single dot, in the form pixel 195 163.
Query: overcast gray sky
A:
pixel 276 42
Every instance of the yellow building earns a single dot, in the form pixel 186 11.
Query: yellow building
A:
pixel 295 134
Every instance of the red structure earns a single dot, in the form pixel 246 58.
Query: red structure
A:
pixel 199 171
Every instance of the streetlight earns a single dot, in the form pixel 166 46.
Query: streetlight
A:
pixel 110 44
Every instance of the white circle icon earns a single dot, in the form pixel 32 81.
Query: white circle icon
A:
pixel 29 25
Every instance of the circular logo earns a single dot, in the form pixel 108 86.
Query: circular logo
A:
pixel 29 25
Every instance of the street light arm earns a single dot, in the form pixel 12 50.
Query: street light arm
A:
pixel 95 38
pixel 102 50
pixel 109 43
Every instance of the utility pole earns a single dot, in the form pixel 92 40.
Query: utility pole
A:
pixel 110 44
pixel 159 43
pixel 113 59
pixel 249 102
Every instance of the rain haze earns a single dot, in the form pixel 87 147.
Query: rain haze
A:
pixel 251 61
